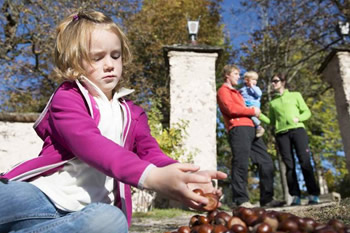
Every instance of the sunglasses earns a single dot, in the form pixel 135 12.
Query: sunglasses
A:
pixel 276 81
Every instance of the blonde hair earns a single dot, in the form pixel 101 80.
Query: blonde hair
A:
pixel 73 37
pixel 251 75
pixel 228 69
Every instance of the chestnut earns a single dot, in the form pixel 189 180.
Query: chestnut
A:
pixel 243 212
pixel 272 221
pixel 282 216
pixel 288 225
pixel 184 229
pixel 235 221
pixel 219 229
pixel 198 191
pixel 213 202
pixel 212 198
pixel 259 211
pixel 237 228
pixel 336 225
pixel 222 218
pixel 195 229
pixel 263 228
pixel 203 220
pixel 211 215
pixel 194 220
pixel 252 220
pixel 307 225
pixel 205 228
pixel 325 229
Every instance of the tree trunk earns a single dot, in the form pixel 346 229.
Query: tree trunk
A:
pixel 319 173
pixel 282 166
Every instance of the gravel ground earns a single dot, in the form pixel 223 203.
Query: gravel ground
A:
pixel 149 225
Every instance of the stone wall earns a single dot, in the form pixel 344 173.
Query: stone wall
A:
pixel 336 71
pixel 18 142
pixel 193 99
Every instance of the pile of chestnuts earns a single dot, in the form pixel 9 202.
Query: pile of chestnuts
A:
pixel 255 220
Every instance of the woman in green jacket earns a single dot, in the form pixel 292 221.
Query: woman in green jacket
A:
pixel 287 112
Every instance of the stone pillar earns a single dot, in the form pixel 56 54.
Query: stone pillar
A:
pixel 193 98
pixel 336 71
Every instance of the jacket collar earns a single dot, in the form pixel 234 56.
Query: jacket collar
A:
pixel 277 94
pixel 96 91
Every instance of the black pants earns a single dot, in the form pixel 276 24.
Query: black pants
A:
pixel 297 139
pixel 245 145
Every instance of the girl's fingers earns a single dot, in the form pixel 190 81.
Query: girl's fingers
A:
pixel 196 178
pixel 187 167
pixel 218 175
pixel 195 197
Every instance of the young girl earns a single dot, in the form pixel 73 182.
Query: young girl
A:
pixel 96 144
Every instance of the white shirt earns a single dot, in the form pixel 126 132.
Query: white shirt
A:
pixel 77 184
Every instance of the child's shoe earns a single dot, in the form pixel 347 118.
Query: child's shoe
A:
pixel 313 200
pixel 296 201
pixel 259 131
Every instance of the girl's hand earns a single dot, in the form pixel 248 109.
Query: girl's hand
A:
pixel 208 187
pixel 296 119
pixel 177 181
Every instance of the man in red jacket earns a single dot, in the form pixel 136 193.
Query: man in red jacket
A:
pixel 244 144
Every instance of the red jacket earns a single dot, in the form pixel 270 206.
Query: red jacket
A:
pixel 233 109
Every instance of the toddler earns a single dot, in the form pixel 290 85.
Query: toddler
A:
pixel 252 95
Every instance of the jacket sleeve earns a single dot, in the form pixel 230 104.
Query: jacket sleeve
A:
pixel 256 91
pixel 147 148
pixel 264 118
pixel 74 129
pixel 231 105
pixel 271 116
pixel 304 110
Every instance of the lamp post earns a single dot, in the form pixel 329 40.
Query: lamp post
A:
pixel 193 27
pixel 343 29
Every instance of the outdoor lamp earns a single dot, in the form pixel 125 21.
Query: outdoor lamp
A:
pixel 343 29
pixel 193 27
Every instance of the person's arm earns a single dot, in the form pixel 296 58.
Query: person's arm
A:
pixel 177 181
pixel 264 118
pixel 255 91
pixel 304 110
pixel 233 106
pixel 271 116
pixel 75 130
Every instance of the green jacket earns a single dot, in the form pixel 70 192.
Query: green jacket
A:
pixel 284 108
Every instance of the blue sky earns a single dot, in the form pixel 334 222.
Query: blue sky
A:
pixel 240 26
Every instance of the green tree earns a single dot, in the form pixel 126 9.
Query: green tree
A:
pixel 27 31
pixel 164 22
pixel 294 37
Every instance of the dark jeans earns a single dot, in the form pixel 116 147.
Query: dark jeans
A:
pixel 245 145
pixel 298 139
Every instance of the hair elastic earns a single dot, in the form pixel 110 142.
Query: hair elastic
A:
pixel 76 17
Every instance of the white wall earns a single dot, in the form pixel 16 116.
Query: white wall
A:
pixel 18 142
pixel 193 99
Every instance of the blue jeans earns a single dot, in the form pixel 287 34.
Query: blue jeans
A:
pixel 24 208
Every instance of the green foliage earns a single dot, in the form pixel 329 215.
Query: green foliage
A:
pixel 164 22
pixel 171 139
pixel 287 39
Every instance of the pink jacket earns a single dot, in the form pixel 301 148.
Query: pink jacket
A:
pixel 68 127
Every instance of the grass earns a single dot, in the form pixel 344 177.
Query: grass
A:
pixel 162 213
